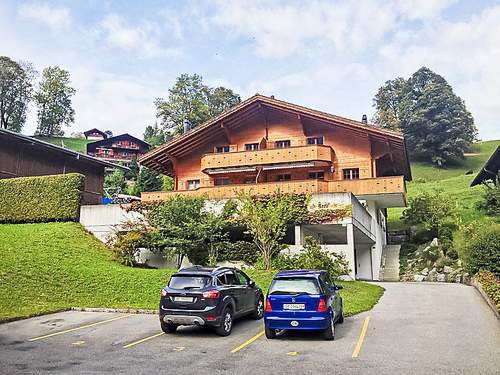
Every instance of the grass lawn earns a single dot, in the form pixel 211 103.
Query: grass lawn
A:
pixel 75 144
pixel 452 180
pixel 55 266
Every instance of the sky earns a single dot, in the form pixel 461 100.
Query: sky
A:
pixel 324 54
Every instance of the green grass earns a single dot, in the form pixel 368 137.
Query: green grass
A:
pixel 55 266
pixel 75 144
pixel 453 181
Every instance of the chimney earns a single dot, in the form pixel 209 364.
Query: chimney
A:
pixel 364 119
pixel 272 96
pixel 187 125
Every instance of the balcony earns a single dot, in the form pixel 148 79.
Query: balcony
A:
pixel 310 153
pixel 387 191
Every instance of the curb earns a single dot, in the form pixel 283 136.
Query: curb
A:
pixel 110 310
pixel 476 284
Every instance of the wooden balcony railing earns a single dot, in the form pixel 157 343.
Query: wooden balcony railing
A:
pixel 267 156
pixel 379 185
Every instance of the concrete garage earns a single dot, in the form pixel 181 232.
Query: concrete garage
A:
pixel 416 328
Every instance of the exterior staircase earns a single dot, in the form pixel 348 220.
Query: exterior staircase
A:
pixel 389 270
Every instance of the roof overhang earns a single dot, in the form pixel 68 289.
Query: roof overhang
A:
pixel 489 171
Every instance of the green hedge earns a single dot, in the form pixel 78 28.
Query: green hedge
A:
pixel 41 199
pixel 483 250
pixel 491 285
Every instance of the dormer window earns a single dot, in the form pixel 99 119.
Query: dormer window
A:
pixel 221 149
pixel 251 146
pixel 283 144
pixel 315 140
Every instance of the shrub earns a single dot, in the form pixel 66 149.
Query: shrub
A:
pixel 41 199
pixel 312 257
pixel 483 251
pixel 491 285
pixel 239 251
pixel 490 201
pixel 126 247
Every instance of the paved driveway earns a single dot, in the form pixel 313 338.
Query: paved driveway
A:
pixel 417 328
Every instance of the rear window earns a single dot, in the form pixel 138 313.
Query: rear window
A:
pixel 189 282
pixel 294 285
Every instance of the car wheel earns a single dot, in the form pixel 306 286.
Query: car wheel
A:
pixel 259 309
pixel 341 317
pixel 270 333
pixel 329 333
pixel 227 323
pixel 168 327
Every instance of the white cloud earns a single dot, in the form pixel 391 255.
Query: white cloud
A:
pixel 141 39
pixel 54 17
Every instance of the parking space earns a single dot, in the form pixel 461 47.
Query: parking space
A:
pixel 449 331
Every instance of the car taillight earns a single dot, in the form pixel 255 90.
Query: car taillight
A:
pixel 322 305
pixel 268 306
pixel 163 293
pixel 211 294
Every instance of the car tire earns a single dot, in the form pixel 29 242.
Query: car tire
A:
pixel 341 317
pixel 259 309
pixel 227 323
pixel 168 327
pixel 329 333
pixel 270 333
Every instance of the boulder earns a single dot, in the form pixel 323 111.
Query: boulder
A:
pixel 345 278
pixel 425 271
pixel 434 242
pixel 432 275
pixel 441 278
pixel 447 269
pixel 418 278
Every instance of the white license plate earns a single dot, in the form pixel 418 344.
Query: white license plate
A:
pixel 294 306
pixel 183 299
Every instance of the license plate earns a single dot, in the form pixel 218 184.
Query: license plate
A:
pixel 294 306
pixel 183 299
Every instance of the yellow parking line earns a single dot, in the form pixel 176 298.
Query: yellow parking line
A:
pixel 142 340
pixel 361 338
pixel 78 328
pixel 248 342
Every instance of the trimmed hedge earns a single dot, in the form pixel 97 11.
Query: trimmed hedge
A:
pixel 483 251
pixel 491 285
pixel 41 198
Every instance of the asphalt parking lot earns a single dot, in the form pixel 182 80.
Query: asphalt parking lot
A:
pixel 449 330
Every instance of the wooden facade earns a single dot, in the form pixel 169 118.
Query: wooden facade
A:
pixel 271 144
pixel 120 148
pixel 22 156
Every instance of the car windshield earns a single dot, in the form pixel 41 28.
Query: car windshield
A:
pixel 294 285
pixel 189 282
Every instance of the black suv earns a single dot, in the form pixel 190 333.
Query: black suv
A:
pixel 209 297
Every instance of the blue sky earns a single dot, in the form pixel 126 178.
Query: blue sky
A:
pixel 328 55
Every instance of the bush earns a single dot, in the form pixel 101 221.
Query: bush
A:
pixel 483 251
pixel 126 247
pixel 41 199
pixel 491 285
pixel 239 251
pixel 490 201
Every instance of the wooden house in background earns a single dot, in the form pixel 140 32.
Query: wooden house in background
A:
pixel 120 148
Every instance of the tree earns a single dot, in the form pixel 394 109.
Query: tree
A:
pixel 437 126
pixel 54 102
pixel 133 171
pixel 115 182
pixel 147 180
pixel 16 91
pixel 192 101
pixel 387 102
pixel 155 135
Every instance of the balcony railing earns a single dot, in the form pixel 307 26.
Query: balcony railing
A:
pixel 267 156
pixel 379 185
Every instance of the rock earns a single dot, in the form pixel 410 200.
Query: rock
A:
pixel 345 278
pixel 434 242
pixel 425 271
pixel 447 269
pixel 441 278
pixel 432 275
pixel 458 278
pixel 418 278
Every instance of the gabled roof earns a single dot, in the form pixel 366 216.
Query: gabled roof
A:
pixel 118 138
pixel 490 169
pixel 160 156
pixel 17 137
pixel 95 130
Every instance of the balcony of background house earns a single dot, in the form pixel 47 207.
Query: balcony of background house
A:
pixel 127 145
pixel 319 154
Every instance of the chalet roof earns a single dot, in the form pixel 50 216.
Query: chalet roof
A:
pixel 95 130
pixel 160 156
pixel 490 169
pixel 21 138
pixel 118 138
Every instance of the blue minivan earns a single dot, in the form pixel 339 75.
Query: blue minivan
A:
pixel 303 300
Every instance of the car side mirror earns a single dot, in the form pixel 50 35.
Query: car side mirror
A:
pixel 251 283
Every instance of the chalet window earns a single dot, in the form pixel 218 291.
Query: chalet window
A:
pixel 221 149
pixel 251 146
pixel 283 144
pixel 284 177
pixel 221 181
pixel 320 175
pixel 193 184
pixel 315 141
pixel 350 173
pixel 250 179
pixel 132 144
pixel 119 143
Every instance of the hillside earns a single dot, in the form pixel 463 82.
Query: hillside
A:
pixel 75 144
pixel 55 266
pixel 453 181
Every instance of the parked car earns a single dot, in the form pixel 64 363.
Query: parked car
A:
pixel 209 297
pixel 303 300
